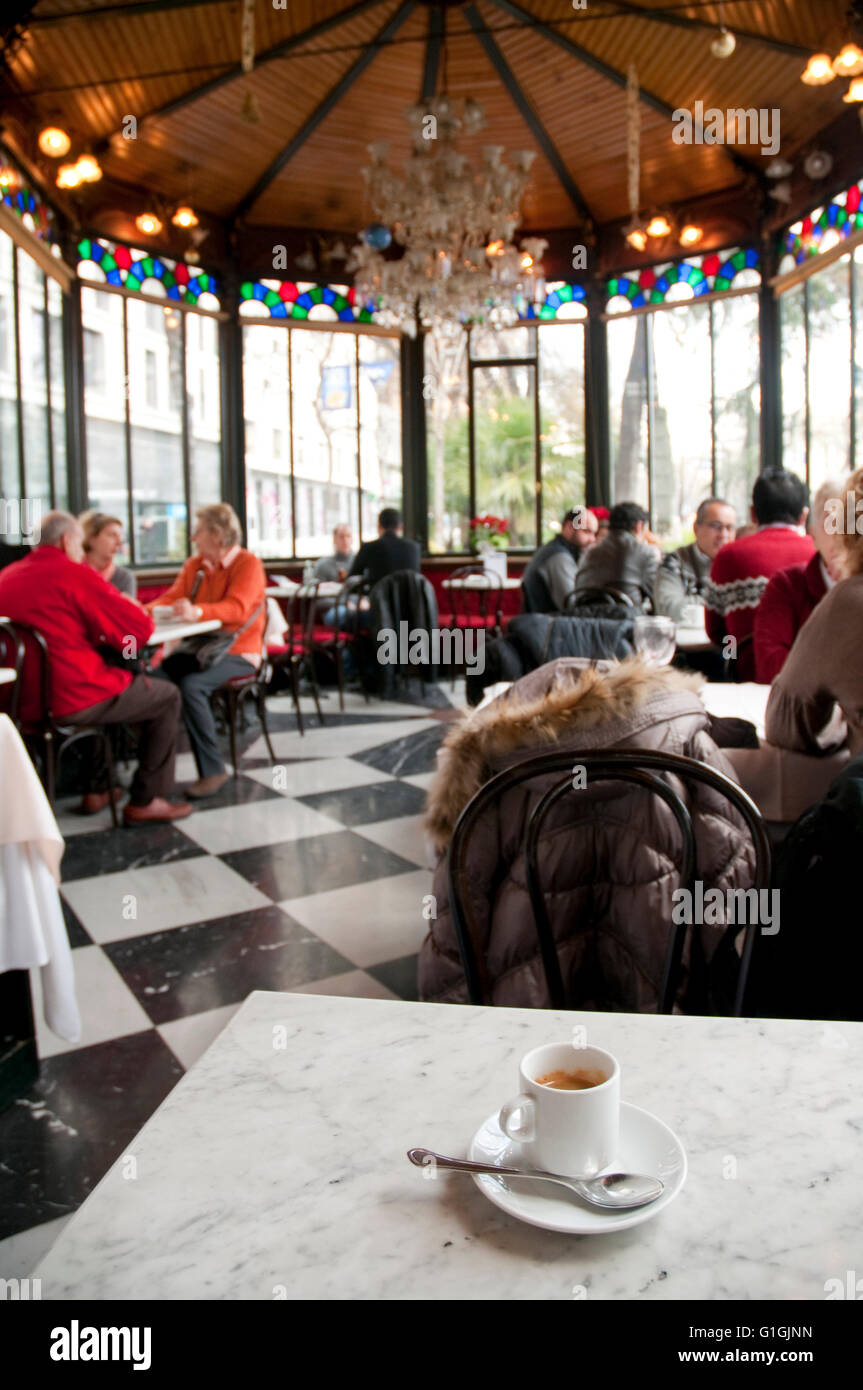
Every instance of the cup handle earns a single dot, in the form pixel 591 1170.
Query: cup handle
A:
pixel 526 1130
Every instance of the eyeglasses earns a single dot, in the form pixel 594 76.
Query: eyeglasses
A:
pixel 720 525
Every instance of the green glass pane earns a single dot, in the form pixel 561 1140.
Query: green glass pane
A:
pixel 721 284
pixel 247 290
pixel 148 266
pixel 85 250
pixel 317 295
pixel 271 298
pixel 546 313
pixel 298 313
pixel 739 260
pixel 107 262
pixel 565 293
pixel 657 297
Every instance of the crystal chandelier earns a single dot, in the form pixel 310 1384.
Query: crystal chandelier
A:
pixel 456 224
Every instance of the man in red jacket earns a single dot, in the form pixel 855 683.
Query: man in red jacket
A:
pixel 743 568
pixel 77 614
pixel 793 593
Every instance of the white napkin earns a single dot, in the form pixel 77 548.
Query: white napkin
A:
pixel 32 930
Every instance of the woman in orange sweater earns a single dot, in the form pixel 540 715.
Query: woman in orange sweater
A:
pixel 222 581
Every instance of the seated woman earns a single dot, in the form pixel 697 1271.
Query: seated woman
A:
pixel 608 853
pixel 793 593
pixel 824 668
pixel 103 537
pixel 222 581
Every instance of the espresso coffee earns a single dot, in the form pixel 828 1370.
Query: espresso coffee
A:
pixel 571 1080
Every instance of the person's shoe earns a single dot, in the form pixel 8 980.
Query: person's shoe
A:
pixel 94 802
pixel 156 810
pixel 207 786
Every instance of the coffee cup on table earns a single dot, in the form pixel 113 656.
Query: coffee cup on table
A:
pixel 567 1115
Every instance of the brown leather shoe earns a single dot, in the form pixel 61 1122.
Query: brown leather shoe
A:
pixel 94 802
pixel 156 810
pixel 207 786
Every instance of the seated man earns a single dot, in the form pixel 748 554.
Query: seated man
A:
pixel 624 559
pixel 334 568
pixel 222 581
pixel 793 593
pixel 389 553
pixel 743 568
pixel 549 578
pixel 683 575
pixel 79 615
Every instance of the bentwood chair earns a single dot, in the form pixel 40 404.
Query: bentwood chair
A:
pixel 231 696
pixel 641 767
pixel 297 653
pixel 51 736
pixel 333 642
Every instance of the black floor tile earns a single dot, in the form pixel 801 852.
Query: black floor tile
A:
pixel 77 933
pixel 408 756
pixel 398 975
pixel 315 865
pixel 60 1139
pixel 365 805
pixel 129 847
pixel 193 969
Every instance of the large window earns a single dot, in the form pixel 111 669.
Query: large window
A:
pixel 684 401
pixel 323 435
pixel 822 375
pixel 504 429
pixel 153 418
pixel 33 474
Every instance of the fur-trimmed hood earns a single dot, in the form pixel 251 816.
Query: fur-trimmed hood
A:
pixel 567 702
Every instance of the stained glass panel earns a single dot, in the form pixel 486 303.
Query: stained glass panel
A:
pixel 105 262
pixel 823 229
pixel 715 272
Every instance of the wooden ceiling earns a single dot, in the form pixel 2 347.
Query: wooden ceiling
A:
pixel 284 145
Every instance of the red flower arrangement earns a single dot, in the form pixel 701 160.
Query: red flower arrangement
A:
pixel 489 530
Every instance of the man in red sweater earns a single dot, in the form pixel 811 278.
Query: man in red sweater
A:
pixel 743 568
pixel 77 614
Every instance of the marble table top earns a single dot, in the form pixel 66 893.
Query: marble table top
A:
pixel 277 1168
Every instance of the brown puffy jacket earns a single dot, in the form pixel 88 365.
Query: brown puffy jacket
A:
pixel 608 855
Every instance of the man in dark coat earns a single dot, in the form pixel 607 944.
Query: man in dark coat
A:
pixel 389 553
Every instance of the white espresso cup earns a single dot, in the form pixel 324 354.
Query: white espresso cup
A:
pixel 570 1132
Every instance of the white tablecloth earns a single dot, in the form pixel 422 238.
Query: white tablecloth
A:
pixel 32 930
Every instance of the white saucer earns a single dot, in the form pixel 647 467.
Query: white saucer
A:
pixel 646 1146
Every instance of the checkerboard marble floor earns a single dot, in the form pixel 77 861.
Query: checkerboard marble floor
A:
pixel 308 875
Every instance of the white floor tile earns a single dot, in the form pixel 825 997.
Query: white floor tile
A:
pixel 319 775
pixel 189 1038
pixel 403 836
pixel 369 923
pixel 20 1254
pixel 256 823
pixel 354 984
pixel 423 780
pixel 107 1006
pixel 164 896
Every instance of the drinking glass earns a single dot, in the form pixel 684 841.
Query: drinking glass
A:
pixel 655 639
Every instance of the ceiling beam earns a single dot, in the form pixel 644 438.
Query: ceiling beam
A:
pixel 279 50
pixel 679 21
pixel 538 130
pixel 321 111
pixel 39 21
pixel 433 52
pixel 575 50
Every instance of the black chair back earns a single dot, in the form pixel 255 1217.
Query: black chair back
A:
pixel 34 671
pixel 12 653
pixel 638 766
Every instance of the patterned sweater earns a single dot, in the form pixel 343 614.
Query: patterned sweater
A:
pixel 738 577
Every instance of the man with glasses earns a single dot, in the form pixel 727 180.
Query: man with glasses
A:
pixel 682 577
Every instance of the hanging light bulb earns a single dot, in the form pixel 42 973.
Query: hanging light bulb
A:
pixel 848 61
pixel 635 235
pixel 89 169
pixel 855 91
pixel 724 44
pixel 658 226
pixel 690 235
pixel 185 217
pixel 54 142
pixel 68 176
pixel 819 70
pixel 148 223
